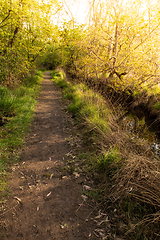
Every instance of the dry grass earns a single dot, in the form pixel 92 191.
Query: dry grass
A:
pixel 140 177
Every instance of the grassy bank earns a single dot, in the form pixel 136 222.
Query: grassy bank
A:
pixel 16 113
pixel 123 168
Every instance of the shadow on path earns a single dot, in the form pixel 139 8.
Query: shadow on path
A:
pixel 45 199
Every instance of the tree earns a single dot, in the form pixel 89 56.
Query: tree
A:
pixel 25 29
pixel 121 43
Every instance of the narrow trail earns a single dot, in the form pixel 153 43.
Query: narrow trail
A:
pixel 45 199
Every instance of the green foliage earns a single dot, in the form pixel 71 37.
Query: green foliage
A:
pixel 60 79
pixel 156 106
pixel 64 51
pixel 118 45
pixel 68 93
pixel 7 102
pixel 25 30
pixel 52 57
pixel 109 161
pixel 93 195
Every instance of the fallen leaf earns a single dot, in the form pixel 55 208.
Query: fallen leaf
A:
pixel 76 174
pixel 18 199
pixel 86 187
pixel 49 194
pixel 51 176
pixel 99 216
pixel 84 197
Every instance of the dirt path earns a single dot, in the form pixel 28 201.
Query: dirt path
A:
pixel 45 199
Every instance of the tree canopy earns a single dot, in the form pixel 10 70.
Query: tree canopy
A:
pixel 25 30
pixel 119 42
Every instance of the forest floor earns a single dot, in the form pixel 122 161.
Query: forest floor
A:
pixel 47 198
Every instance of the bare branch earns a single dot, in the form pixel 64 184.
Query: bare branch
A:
pixel 96 54
pixel 57 10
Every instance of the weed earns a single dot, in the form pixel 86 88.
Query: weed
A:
pixel 47 175
pixel 71 169
pixel 93 194
pixel 108 161
pixel 68 94
pixel 7 102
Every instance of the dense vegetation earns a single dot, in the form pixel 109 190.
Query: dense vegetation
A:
pixel 25 32
pixel 118 44
pixel 116 53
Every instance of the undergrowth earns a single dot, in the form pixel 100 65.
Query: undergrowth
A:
pixel 125 171
pixel 16 113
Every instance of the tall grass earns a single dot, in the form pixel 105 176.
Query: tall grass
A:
pixel 16 111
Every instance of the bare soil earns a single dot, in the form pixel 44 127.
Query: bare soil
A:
pixel 46 201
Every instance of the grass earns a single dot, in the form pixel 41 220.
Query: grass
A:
pixel 85 103
pixel 125 171
pixel 108 162
pixel 7 102
pixel 17 111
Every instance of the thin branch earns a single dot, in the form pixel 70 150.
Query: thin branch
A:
pixel 139 44
pixel 69 11
pixel 57 10
pixel 4 25
pixel 6 17
pixel 96 55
